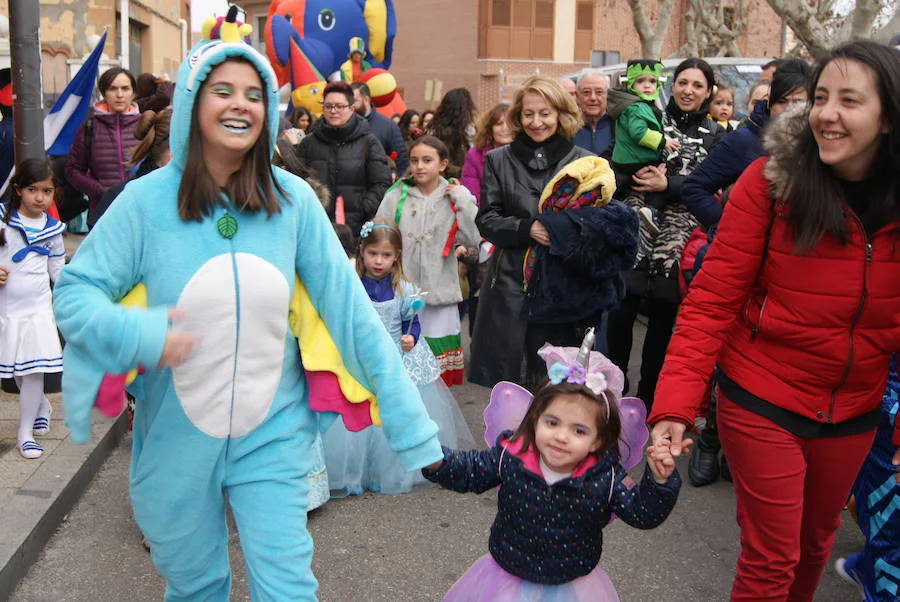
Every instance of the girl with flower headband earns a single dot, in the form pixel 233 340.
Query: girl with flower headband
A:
pixel 437 221
pixel 363 460
pixel 561 476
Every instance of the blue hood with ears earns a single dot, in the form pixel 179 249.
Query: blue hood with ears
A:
pixel 203 58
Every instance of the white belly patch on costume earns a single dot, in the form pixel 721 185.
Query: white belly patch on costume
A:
pixel 228 383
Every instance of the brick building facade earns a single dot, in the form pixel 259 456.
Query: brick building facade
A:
pixel 155 32
pixel 454 46
pixel 491 46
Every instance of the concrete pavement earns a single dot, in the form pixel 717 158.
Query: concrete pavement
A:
pixel 405 548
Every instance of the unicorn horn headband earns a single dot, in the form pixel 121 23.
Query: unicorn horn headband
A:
pixel 577 371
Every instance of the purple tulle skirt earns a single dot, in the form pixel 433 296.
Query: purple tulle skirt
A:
pixel 486 581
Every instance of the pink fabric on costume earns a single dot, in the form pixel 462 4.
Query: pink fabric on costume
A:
pixel 325 396
pixel 111 395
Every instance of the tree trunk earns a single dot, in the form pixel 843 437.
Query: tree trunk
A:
pixel 802 20
pixel 651 36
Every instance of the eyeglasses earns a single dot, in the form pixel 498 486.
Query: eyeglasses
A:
pixel 599 93
pixel 334 108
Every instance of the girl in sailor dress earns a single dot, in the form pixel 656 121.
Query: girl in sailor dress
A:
pixel 363 460
pixel 31 257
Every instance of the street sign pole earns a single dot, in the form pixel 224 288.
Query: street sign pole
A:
pixel 25 59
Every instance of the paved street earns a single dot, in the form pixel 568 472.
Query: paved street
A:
pixel 405 548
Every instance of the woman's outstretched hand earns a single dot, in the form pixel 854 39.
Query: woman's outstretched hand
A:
pixel 671 433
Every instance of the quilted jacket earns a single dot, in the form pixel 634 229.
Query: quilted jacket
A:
pixel 351 162
pixel 813 333
pixel 93 171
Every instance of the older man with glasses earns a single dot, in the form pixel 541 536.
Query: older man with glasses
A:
pixel 597 133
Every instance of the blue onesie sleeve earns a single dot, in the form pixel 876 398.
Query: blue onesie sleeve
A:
pixel 365 346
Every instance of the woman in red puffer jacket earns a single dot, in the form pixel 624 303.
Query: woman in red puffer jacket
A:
pixel 798 304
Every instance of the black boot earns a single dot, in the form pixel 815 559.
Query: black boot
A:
pixel 703 467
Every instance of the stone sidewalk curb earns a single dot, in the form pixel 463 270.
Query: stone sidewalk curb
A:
pixel 32 515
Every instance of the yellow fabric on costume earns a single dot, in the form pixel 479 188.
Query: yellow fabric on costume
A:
pixel 319 351
pixel 590 172
pixel 136 297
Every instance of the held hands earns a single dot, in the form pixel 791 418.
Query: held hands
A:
pixel 671 434
pixel 539 234
pixel 407 342
pixel 651 178
pixel 178 345
pixel 4 275
pixel 660 461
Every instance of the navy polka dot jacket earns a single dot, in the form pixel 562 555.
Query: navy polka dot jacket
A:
pixel 552 534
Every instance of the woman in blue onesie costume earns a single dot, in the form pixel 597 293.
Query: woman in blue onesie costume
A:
pixel 363 460
pixel 217 237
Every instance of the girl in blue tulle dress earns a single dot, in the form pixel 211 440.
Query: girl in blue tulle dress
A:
pixel 358 461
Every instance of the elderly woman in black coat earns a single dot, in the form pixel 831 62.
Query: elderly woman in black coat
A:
pixel 347 158
pixel 543 118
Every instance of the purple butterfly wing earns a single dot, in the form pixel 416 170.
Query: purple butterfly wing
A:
pixel 635 433
pixel 508 405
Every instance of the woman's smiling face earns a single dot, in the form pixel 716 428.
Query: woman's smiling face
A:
pixel 846 118
pixel 690 90
pixel 539 119
pixel 231 110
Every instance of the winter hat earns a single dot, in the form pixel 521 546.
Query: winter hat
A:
pixel 640 67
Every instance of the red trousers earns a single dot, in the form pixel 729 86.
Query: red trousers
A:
pixel 790 492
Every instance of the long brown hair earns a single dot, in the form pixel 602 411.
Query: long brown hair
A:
pixel 814 191
pixel 251 188
pixel 484 131
pixel 609 428
pixel 385 232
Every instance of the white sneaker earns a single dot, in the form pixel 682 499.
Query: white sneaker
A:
pixel 30 450
pixel 648 220
pixel 42 423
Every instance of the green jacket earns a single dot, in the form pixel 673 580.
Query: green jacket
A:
pixel 639 132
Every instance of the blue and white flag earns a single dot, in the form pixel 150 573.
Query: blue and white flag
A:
pixel 68 113
pixel 61 123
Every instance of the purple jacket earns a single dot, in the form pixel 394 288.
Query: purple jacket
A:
pixel 93 172
pixel 473 171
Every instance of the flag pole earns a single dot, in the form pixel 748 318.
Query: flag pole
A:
pixel 25 57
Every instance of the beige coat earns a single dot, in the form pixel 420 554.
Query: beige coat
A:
pixel 425 224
